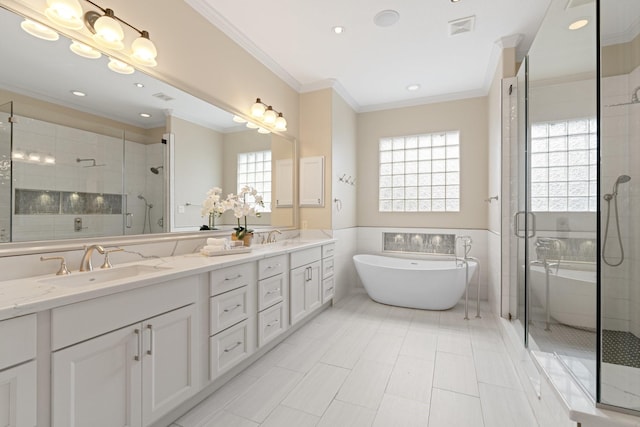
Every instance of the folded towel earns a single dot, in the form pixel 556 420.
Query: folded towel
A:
pixel 216 242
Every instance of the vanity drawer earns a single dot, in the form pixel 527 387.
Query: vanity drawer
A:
pixel 327 267
pixel 271 266
pixel 270 291
pixel 270 323
pixel 228 309
pixel 305 256
pixel 328 250
pixel 230 347
pixel 17 340
pixel 229 278
pixel 328 289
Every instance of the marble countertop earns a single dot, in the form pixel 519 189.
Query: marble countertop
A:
pixel 29 295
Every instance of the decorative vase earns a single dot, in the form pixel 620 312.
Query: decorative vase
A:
pixel 212 221
pixel 246 239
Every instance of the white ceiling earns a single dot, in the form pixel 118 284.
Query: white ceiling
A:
pixel 371 66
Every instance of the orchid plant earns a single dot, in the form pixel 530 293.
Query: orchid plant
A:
pixel 244 204
pixel 214 205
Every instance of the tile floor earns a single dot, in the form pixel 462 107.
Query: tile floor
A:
pixel 360 363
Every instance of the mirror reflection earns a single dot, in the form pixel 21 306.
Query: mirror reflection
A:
pixel 89 152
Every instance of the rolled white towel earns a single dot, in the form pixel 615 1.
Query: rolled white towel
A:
pixel 216 242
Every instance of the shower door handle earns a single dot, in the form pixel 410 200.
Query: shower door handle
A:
pixel 516 224
pixel 129 220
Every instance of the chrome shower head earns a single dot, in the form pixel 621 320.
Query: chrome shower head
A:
pixel 622 179
pixel 156 169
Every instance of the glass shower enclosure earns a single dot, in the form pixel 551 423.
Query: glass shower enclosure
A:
pixel 575 198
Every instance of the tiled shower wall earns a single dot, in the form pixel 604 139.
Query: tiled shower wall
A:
pixel 620 153
pixel 66 145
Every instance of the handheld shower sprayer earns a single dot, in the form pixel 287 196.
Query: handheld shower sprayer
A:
pixel 156 169
pixel 147 214
pixel 622 179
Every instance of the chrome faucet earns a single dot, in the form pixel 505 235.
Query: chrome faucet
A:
pixel 271 238
pixel 85 264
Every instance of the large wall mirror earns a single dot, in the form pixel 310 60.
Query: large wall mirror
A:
pixel 89 152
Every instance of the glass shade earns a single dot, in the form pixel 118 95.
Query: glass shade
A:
pixel 66 13
pixel 144 52
pixel 38 30
pixel 108 32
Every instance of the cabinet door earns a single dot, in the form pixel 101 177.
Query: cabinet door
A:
pixel 18 406
pixel 97 382
pixel 298 280
pixel 169 361
pixel 313 288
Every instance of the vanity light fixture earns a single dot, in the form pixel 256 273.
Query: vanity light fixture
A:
pixel 38 30
pixel 34 157
pixel 580 23
pixel 252 125
pixel 268 115
pixel 50 160
pixel 106 27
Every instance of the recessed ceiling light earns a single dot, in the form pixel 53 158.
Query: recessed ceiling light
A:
pixel 338 29
pixel 140 85
pixel 386 18
pixel 413 87
pixel 78 93
pixel 576 25
pixel 455 1
pixel 145 115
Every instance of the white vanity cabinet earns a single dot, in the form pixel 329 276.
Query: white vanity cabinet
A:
pixel 305 282
pixel 18 402
pixel 272 298
pixel 132 375
pixel 232 315
pixel 328 278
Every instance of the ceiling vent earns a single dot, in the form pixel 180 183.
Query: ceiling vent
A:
pixel 163 96
pixel 462 25
pixel 576 3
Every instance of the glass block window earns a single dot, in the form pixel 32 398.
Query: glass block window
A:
pixel 254 169
pixel 563 166
pixel 420 173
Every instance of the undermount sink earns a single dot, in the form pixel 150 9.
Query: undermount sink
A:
pixel 102 276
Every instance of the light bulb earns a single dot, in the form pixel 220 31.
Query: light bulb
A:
pixel 108 31
pixel 257 109
pixel 144 51
pixel 83 50
pixel 120 67
pixel 66 13
pixel 281 123
pixel 269 116
pixel 38 30
pixel 252 125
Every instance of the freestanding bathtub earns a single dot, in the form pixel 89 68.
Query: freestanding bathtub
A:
pixel 424 284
